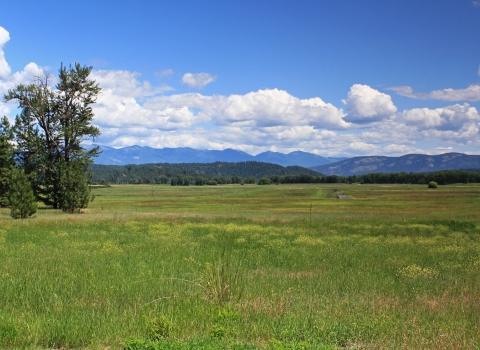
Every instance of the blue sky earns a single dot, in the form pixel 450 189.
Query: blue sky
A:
pixel 336 78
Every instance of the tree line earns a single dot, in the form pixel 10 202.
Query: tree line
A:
pixel 41 156
pixel 186 174
pixel 444 177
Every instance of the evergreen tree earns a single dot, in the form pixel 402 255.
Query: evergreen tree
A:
pixel 49 132
pixel 6 160
pixel 21 197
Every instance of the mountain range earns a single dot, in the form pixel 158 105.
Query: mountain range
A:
pixel 325 165
pixel 146 155
pixel 416 163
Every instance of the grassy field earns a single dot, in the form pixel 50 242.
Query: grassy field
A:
pixel 246 267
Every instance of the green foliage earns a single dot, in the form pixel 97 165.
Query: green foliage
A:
pixel 264 181
pixel 21 199
pixel 250 180
pixel 74 190
pixel 192 173
pixel 133 343
pixel 227 314
pixel 8 332
pixel 443 177
pixel 432 184
pixel 218 331
pixel 49 131
pixel 159 328
pixel 6 160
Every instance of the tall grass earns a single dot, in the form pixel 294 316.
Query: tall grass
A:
pixel 378 271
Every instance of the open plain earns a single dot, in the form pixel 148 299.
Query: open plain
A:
pixel 246 267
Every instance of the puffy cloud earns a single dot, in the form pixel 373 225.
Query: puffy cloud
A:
pixel 451 118
pixel 4 67
pixel 198 80
pixel 8 81
pixel 126 83
pixel 365 105
pixel 476 3
pixel 423 117
pixel 26 76
pixel 119 104
pixel 275 107
pixel 263 108
pixel 471 93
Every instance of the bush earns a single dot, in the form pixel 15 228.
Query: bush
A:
pixel 432 184
pixel 159 328
pixel 264 181
pixel 218 331
pixel 21 198
pixel 249 180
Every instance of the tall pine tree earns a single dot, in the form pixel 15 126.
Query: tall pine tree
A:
pixel 49 132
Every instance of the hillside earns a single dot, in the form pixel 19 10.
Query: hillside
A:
pixel 151 173
pixel 416 163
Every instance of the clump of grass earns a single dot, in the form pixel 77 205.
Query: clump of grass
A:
pixel 218 331
pixel 415 271
pixel 223 280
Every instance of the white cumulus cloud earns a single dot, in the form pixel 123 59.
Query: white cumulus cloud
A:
pixel 126 83
pixel 262 108
pixel 9 81
pixel 365 104
pixel 4 67
pixel 452 118
pixel 119 104
pixel 198 80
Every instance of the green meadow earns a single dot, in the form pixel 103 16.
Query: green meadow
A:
pixel 246 267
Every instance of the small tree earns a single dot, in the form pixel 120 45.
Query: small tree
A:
pixel 264 181
pixel 250 180
pixel 74 187
pixel 6 160
pixel 432 184
pixel 21 197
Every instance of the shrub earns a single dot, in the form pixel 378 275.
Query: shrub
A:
pixel 264 181
pixel 218 331
pixel 432 184
pixel 159 328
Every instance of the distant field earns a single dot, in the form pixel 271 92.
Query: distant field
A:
pixel 246 267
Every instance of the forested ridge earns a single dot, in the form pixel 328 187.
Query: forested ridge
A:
pixel 164 172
